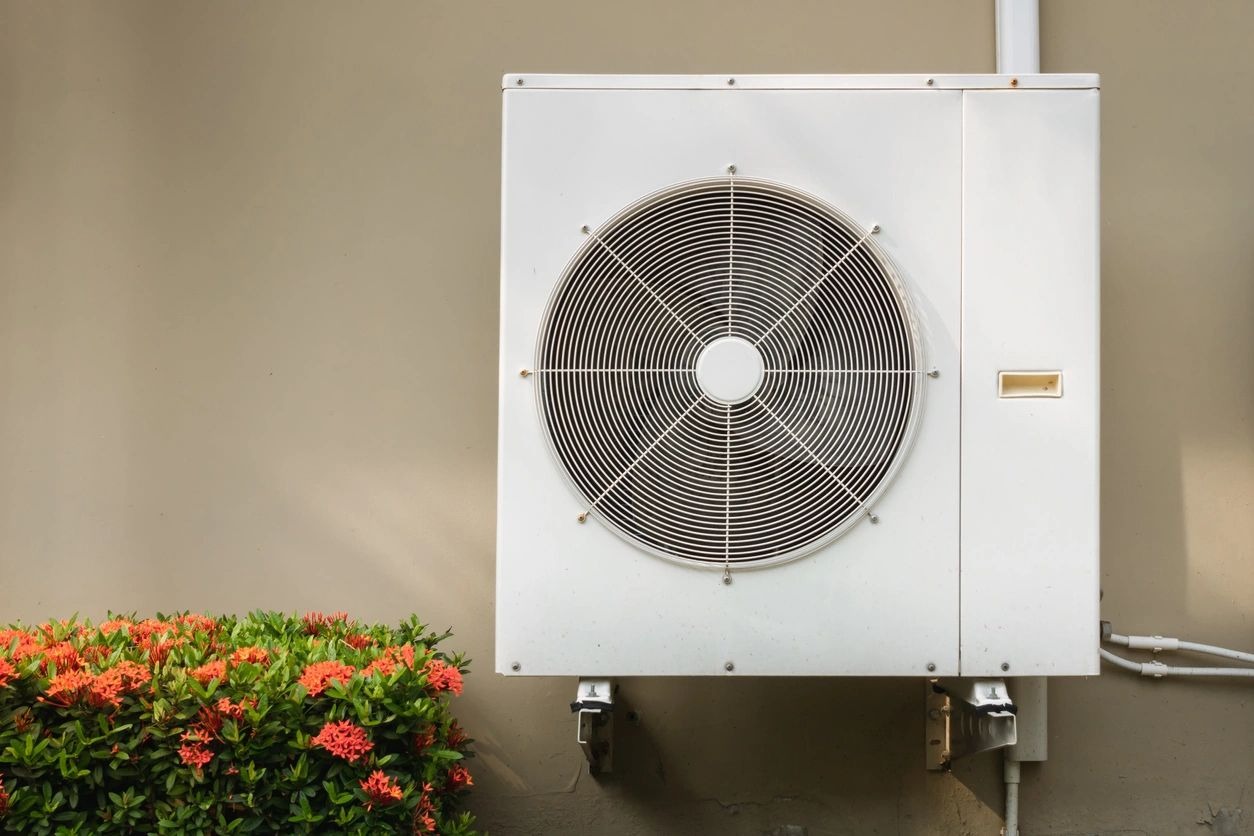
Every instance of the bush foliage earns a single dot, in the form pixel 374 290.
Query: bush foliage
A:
pixel 262 724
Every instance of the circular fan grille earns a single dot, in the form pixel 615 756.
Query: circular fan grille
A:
pixel 728 372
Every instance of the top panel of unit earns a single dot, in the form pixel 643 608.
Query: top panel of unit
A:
pixel 1040 81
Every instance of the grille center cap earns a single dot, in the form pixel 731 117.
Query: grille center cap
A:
pixel 729 370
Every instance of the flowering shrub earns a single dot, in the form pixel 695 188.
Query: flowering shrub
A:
pixel 263 724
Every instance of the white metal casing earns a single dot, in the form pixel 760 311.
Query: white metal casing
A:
pixel 985 189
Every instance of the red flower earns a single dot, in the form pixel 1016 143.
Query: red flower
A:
pixel 319 675
pixel 4 797
pixel 442 676
pixel 63 655
pixel 235 711
pixel 390 660
pixel 381 790
pixel 208 672
pixel 459 777
pixel 456 735
pixel 196 622
pixel 123 678
pixel 7 672
pixel 358 641
pixel 425 739
pixel 344 739
pixel 255 655
pixel 69 687
pixel 316 623
pixel 23 644
pixel 195 754
pixel 115 624
pixel 424 821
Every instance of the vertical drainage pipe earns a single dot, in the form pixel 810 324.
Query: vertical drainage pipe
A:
pixel 1018 37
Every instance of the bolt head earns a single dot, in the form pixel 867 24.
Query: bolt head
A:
pixel 731 82
pixel 585 229
pixel 726 580
pixel 1005 666
pixel 931 666
pixel 515 667
pixel 930 82
pixel 731 169
pixel 1014 82
pixel 729 667
pixel 519 82
pixel 875 229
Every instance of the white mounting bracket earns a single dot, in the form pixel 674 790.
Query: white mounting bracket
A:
pixel 965 716
pixel 594 731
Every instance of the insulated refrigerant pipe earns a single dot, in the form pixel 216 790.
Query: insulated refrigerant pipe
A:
pixel 1158 669
pixel 1158 643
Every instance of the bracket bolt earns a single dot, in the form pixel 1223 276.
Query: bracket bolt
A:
pixel 1014 82
pixel 727 580
pixel 519 82
pixel 585 229
pixel 933 372
pixel 524 373
pixel 731 82
pixel 930 82
pixel 1005 666
pixel 729 667
pixel 875 520
pixel 875 229
pixel 931 666
pixel 731 169
pixel 582 517
pixel 515 667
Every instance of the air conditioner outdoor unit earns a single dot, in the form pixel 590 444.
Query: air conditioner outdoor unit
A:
pixel 799 376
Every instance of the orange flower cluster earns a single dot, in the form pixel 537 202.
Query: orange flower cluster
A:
pixel 424 819
pixel 459 777
pixel 425 739
pixel 105 689
pixel 442 676
pixel 456 736
pixel 319 675
pixel 22 644
pixel 255 655
pixel 195 754
pixel 344 739
pixel 381 790
pixel 208 672
pixel 390 660
pixel 317 623
pixel 358 641
pixel 4 797
pixel 196 751
pixel 63 655
pixel 235 711
pixel 7 672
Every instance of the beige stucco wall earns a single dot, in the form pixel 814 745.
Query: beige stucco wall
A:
pixel 248 299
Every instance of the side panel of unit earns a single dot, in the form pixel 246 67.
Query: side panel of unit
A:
pixel 1029 573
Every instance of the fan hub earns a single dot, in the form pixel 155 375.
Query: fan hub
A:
pixel 729 370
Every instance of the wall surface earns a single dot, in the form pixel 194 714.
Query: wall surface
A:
pixel 248 318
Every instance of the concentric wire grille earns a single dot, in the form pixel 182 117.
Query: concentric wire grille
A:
pixel 685 475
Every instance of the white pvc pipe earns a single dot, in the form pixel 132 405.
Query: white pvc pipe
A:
pixel 1158 669
pixel 1010 774
pixel 1018 37
pixel 1160 643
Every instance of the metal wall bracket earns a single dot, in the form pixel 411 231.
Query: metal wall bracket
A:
pixel 965 716
pixel 594 730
